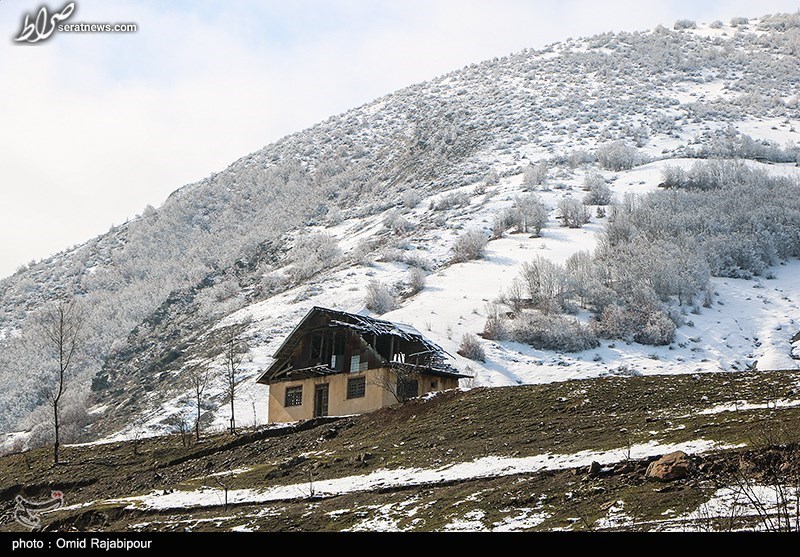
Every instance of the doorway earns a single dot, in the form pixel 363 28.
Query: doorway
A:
pixel 321 400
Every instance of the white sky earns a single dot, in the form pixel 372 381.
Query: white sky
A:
pixel 93 127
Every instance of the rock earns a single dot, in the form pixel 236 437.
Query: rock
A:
pixel 672 466
pixel 625 468
pixel 330 433
pixel 594 468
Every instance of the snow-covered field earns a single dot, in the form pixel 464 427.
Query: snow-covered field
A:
pixel 486 467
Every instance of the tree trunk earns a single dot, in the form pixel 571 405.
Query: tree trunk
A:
pixel 197 423
pixel 233 420
pixel 55 423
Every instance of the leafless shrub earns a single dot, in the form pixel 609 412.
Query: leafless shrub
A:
pixel 411 199
pixel 573 213
pixel 471 348
pixel 470 245
pixel 379 298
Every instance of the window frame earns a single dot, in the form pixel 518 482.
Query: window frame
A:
pixel 363 389
pixel 291 392
pixel 404 388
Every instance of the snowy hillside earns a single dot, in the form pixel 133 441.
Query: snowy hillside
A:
pixel 373 208
pixel 751 323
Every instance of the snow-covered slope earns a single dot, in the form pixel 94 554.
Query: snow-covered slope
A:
pixel 751 322
pixel 395 183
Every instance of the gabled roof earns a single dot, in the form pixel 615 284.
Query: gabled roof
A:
pixel 363 325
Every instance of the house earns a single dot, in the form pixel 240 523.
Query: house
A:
pixel 337 363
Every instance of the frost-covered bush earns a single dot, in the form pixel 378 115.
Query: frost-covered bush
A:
pixel 379 298
pixel 471 348
pixel 685 24
pixel 395 222
pixel 586 281
pixel 780 22
pixel 552 332
pixel 492 178
pixel 737 21
pixel 528 214
pixel 598 195
pixel 646 324
pixel 535 175
pixel 501 222
pixel 410 199
pixel 659 330
pixel 470 245
pixel 617 156
pixel 573 213
pixel 546 284
pixel 730 143
pixel 412 258
pixel 416 280
pixel 311 254
pixel 272 283
pixel 673 176
pixel 593 178
pixel 735 221
pixel 452 200
pixel 579 157
pixel 599 192
pixel 717 24
pixel 496 326
pixel 364 251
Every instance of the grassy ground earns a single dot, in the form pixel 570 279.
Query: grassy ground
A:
pixel 563 418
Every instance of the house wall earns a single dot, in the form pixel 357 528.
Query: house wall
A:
pixel 430 384
pixel 376 395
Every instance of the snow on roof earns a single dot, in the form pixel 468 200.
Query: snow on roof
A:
pixel 362 324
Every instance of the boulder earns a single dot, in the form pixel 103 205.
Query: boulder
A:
pixel 672 466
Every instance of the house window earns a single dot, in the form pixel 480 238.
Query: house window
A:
pixel 357 364
pixel 356 387
pixel 407 388
pixel 294 396
pixel 434 384
pixel 337 352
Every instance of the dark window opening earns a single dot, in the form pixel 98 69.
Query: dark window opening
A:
pixel 337 351
pixel 317 346
pixel 294 396
pixel 434 384
pixel 356 387
pixel 407 388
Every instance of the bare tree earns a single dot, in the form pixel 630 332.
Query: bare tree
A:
pixel 61 326
pixel 198 378
pixel 234 350
pixel 395 383
pixel 179 423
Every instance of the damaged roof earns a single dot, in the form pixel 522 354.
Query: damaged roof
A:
pixel 363 325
